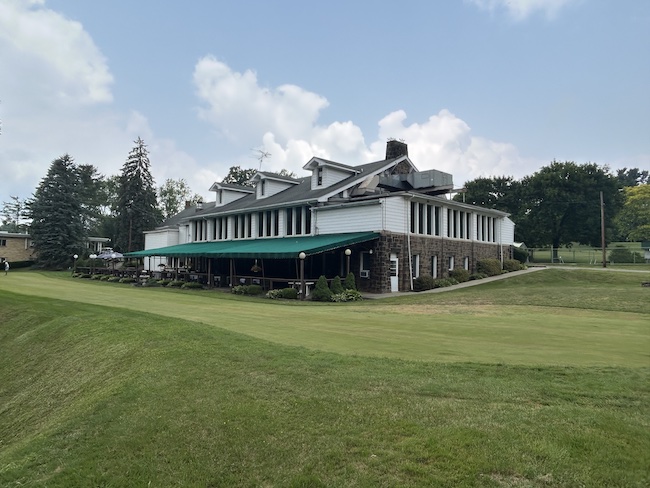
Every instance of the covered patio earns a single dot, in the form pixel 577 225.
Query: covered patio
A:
pixel 270 263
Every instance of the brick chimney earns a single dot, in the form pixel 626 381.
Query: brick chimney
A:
pixel 395 149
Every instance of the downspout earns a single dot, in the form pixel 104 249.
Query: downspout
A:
pixel 501 240
pixel 408 240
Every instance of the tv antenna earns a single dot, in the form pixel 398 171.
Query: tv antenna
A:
pixel 261 155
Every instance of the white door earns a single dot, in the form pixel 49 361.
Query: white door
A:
pixel 394 273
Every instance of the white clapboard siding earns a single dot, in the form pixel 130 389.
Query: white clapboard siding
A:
pixel 349 219
pixel 507 231
pixel 271 187
pixel 331 176
pixel 396 214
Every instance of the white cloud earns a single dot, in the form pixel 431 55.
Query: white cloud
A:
pixel 521 9
pixel 59 48
pixel 237 106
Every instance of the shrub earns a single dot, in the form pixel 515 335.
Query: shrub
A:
pixel 422 283
pixel 113 279
pixel 489 266
pixel 511 265
pixel 321 292
pixel 347 296
pixel 520 254
pixel 106 277
pixel 21 264
pixel 247 290
pixel 336 286
pixel 274 294
pixel 624 255
pixel 350 283
pixel 192 285
pixel 176 284
pixel 459 274
pixel 127 280
pixel 238 289
pixel 151 282
pixel 96 277
pixel 477 276
pixel 289 293
pixel 444 282
pixel 164 282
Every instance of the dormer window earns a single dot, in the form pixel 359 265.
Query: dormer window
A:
pixel 319 176
pixel 220 193
pixel 262 187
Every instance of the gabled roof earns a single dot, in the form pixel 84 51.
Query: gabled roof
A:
pixel 267 175
pixel 315 162
pixel 231 186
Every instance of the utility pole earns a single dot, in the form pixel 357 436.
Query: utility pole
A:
pixel 602 229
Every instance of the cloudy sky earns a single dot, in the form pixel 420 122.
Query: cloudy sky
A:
pixel 475 87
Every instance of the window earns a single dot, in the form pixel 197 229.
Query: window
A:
pixel 434 266
pixel 220 192
pixel 451 263
pixel 466 263
pixel 319 176
pixel 262 187
pixel 289 230
pixel 415 265
pixel 364 271
pixel 3 242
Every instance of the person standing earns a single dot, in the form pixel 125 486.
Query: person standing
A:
pixel 6 267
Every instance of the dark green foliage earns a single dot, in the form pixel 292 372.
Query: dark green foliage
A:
pixel 289 293
pixel 624 255
pixel 350 283
pixel 520 254
pixel 444 282
pixel 21 264
pixel 175 284
pixel 489 266
pixel 192 285
pixel 423 282
pixel 113 279
pixel 247 290
pixel 239 176
pixel 459 274
pixel 164 282
pixel 14 215
pixel 477 276
pixel 336 286
pixel 137 209
pixel 500 192
pixel 56 211
pixel 321 292
pixel 128 280
pixel 511 265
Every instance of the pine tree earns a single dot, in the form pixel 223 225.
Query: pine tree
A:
pixel 137 209
pixel 56 211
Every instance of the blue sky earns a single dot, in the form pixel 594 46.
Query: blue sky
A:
pixel 475 87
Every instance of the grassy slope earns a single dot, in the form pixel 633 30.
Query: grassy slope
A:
pixel 550 317
pixel 95 396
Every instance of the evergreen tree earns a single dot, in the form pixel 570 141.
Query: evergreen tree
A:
pixel 56 212
pixel 137 209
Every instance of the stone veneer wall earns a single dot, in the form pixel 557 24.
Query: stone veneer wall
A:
pixel 426 248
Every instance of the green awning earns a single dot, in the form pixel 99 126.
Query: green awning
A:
pixel 279 248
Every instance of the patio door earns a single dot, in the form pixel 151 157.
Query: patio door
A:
pixel 394 273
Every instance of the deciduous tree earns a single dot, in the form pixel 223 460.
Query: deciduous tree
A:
pixel 172 196
pixel 634 219
pixel 14 215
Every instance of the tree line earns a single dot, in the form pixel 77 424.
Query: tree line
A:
pixel 560 204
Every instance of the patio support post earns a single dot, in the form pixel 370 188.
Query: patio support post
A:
pixel 302 257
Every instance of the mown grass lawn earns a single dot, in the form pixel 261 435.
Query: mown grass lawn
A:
pixel 524 382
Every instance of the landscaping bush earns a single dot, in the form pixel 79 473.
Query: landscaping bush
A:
pixel 511 265
pixel 347 296
pixel 151 282
pixel 444 282
pixel 21 264
pixel 321 292
pixel 105 277
pixel 350 283
pixel 624 255
pixel 489 266
pixel 459 274
pixel 176 284
pixel 192 285
pixel 336 286
pixel 247 290
pixel 520 254
pixel 289 293
pixel 164 282
pixel 422 283
pixel 477 276
pixel 127 280
pixel 96 277
pixel 86 276
pixel 113 279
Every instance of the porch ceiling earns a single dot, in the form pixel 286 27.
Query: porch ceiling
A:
pixel 278 248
